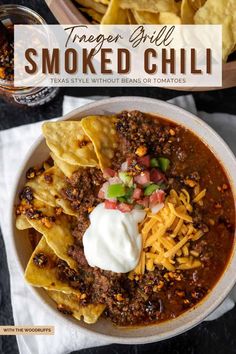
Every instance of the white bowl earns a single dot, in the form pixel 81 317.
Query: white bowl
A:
pixel 39 152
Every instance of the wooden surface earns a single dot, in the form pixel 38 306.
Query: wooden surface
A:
pixel 66 12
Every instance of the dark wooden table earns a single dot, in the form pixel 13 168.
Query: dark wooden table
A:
pixel 217 337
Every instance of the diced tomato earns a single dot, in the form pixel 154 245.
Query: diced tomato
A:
pixel 110 204
pixel 101 194
pixel 124 207
pixel 129 161
pixel 156 176
pixel 156 197
pixel 108 172
pixel 144 161
pixel 144 202
pixel 142 178
pixel 137 193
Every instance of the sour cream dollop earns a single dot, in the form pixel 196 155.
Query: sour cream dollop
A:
pixel 112 241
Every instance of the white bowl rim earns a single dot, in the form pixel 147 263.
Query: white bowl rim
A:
pixel 107 337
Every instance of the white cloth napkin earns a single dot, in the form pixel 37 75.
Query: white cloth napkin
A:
pixel 27 310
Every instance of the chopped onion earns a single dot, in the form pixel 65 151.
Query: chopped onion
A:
pixel 124 166
pixel 155 209
pixel 114 180
pixel 104 187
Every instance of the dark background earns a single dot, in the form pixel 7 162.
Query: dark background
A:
pixel 217 337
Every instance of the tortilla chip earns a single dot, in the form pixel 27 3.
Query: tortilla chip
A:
pixel 149 18
pixel 58 235
pixel 45 190
pixel 145 17
pixel 36 205
pixel 65 205
pixel 150 5
pixel 22 223
pixel 220 12
pixel 131 18
pixel 104 2
pixel 178 6
pixel 187 12
pixel 95 16
pixel 114 14
pixel 89 313
pixel 46 276
pixel 91 4
pixel 50 192
pixel 101 130
pixel 169 18
pixel 196 4
pixel 68 142
pixel 65 167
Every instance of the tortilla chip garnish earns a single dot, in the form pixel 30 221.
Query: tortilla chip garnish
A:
pixel 104 2
pixel 47 188
pixel 68 142
pixel 150 5
pixel 187 12
pixel 101 130
pixel 68 303
pixel 178 5
pixel 115 14
pixel 146 17
pixel 169 18
pixel 41 270
pixel 196 4
pixel 91 4
pixel 55 228
pixel 131 17
pixel 34 209
pixel 66 168
pixel 22 223
pixel 94 15
pixel 220 12
pixel 58 236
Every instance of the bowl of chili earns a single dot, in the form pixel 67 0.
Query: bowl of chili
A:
pixel 189 153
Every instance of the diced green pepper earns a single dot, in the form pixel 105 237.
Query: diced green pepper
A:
pixel 116 190
pixel 122 199
pixel 154 162
pixel 139 207
pixel 127 198
pixel 129 192
pixel 151 188
pixel 126 178
pixel 164 163
pixel 162 186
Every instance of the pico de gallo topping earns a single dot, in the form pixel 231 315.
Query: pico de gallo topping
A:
pixel 140 183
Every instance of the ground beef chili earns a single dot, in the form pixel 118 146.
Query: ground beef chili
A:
pixel 82 192
pixel 160 294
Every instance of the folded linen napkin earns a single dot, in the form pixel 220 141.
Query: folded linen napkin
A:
pixel 26 307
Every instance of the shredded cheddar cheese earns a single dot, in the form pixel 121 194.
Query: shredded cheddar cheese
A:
pixel 199 196
pixel 169 235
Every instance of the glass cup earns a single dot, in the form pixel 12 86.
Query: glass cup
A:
pixel 11 15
